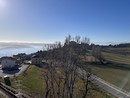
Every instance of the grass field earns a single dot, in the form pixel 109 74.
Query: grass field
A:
pixel 118 71
pixel 123 51
pixel 116 76
pixel 33 83
pixel 116 58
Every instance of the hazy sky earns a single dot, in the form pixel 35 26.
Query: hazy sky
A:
pixel 52 20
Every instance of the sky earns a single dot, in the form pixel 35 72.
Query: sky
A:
pixel 103 21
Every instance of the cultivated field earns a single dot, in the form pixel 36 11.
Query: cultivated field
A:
pixel 116 58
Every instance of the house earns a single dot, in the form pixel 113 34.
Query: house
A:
pixel 9 63
pixel 36 60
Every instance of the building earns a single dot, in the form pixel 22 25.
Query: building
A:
pixel 36 60
pixel 9 63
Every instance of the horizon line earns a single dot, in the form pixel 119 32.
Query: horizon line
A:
pixel 39 42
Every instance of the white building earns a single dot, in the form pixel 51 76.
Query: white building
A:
pixel 8 62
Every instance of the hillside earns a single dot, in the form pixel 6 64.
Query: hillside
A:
pixel 32 82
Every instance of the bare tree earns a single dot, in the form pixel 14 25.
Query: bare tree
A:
pixel 85 77
pixel 70 72
pixel 47 88
pixel 68 39
pixel 62 86
pixel 77 39
pixel 96 52
pixel 85 40
pixel 49 75
pixel 58 81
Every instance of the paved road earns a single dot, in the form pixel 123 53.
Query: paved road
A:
pixel 107 86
